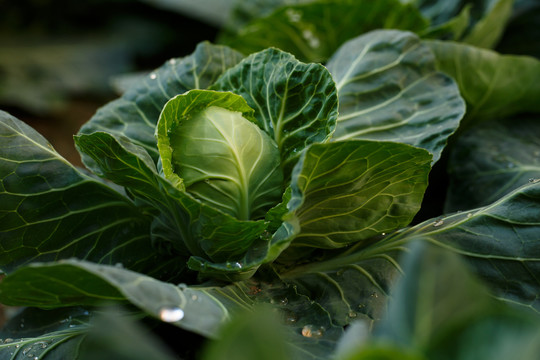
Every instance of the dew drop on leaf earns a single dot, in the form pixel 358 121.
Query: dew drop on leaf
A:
pixel 438 223
pixel 284 301
pixel 352 314
pixel 172 61
pixel 153 76
pixel 171 314
pixel 8 340
pixel 194 297
pixel 312 331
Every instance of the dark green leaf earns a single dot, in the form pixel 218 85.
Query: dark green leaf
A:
pixel 499 241
pixel 389 89
pixel 136 113
pixel 440 310
pixel 44 334
pixel 344 192
pixel 253 335
pixel 189 226
pixel 493 85
pixel 71 282
pixel 295 103
pixel 49 210
pixel 313 31
pixel 491 160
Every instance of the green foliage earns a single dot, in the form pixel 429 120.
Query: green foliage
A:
pixel 231 183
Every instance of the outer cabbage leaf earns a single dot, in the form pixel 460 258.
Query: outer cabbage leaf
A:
pixel 295 103
pixel 493 85
pixel 181 222
pixel 499 241
pixel 389 89
pixel 345 192
pixel 49 210
pixel 223 159
pixel 491 160
pixel 441 311
pixel 136 113
pixel 313 31
pixel 199 309
pixel 487 32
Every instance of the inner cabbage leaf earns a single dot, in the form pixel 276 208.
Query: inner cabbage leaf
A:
pixel 223 159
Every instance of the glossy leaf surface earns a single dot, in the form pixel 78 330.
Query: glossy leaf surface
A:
pixel 389 89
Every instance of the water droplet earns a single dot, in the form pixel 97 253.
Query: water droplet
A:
pixel 27 350
pixel 293 15
pixel 171 314
pixel 284 301
pixel 374 295
pixel 194 297
pixel 534 181
pixel 8 340
pixel 312 331
pixel 153 76
pixel 383 234
pixel 438 223
pixel 172 61
pixel 42 344
pixel 36 358
pixel 290 318
pixel 352 314
pixel 312 40
pixel 234 265
pixel 18 346
pixel 469 215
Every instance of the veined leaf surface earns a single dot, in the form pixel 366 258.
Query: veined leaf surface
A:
pixel 491 160
pixel 181 222
pixel 499 241
pixel 220 156
pixel 49 210
pixel 295 103
pixel 344 192
pixel 389 89
pixel 136 113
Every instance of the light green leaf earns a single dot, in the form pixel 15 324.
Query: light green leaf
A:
pixel 49 210
pixel 313 31
pixel 489 29
pixel 136 113
pixel 295 103
pixel 452 29
pixel 499 241
pixel 491 160
pixel 389 89
pixel 209 146
pixel 493 85
pixel 345 192
pixel 181 222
